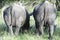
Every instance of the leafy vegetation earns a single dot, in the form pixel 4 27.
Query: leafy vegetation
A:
pixel 58 13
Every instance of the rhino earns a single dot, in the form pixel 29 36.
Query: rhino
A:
pixel 44 15
pixel 17 16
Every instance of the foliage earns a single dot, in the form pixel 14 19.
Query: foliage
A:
pixel 58 13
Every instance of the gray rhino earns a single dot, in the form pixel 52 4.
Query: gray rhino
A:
pixel 16 16
pixel 44 15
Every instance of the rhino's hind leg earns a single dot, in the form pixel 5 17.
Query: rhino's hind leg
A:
pixel 17 30
pixel 19 23
pixel 51 30
pixel 41 31
pixel 7 19
pixel 10 30
pixel 37 26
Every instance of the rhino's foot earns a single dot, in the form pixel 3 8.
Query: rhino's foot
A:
pixel 16 34
pixel 50 38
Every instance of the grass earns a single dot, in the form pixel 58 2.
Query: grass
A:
pixel 4 35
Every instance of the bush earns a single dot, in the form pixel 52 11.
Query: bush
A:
pixel 58 13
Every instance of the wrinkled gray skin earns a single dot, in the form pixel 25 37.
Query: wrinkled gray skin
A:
pixel 16 15
pixel 45 15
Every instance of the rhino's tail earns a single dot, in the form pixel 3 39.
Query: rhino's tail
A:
pixel 45 14
pixel 30 14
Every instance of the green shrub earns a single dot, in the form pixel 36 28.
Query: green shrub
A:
pixel 58 13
